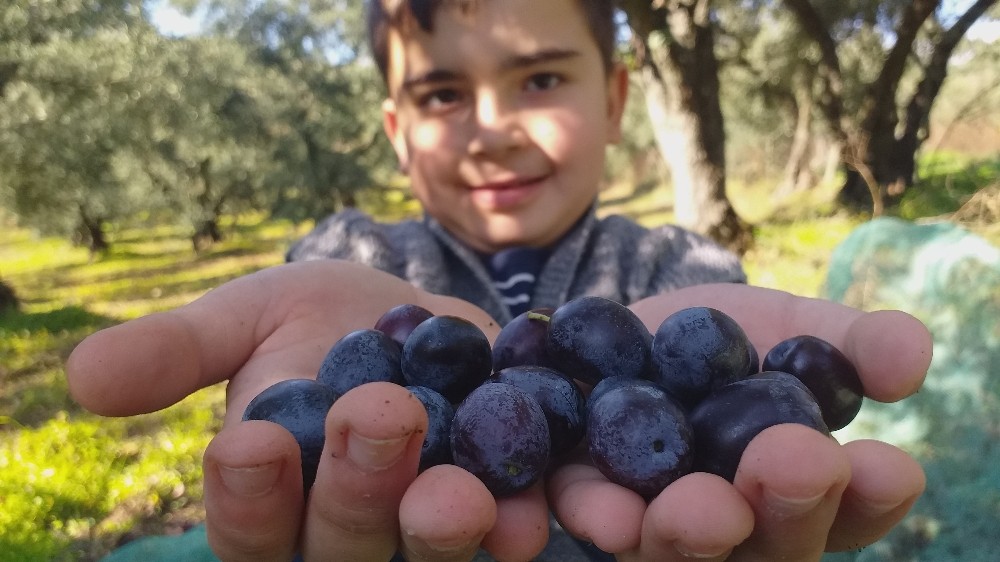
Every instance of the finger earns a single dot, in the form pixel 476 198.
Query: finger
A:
pixel 373 438
pixel 885 483
pixel 444 515
pixel 522 526
pixel 590 507
pixel 891 349
pixel 793 477
pixel 699 516
pixel 253 492
pixel 275 324
pixel 152 362
pixel 140 366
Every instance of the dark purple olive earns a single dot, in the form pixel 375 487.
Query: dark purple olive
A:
pixel 448 354
pixel 639 438
pixel 754 360
pixel 436 448
pixel 522 340
pixel 399 321
pixel 591 338
pixel 360 357
pixel 500 435
pixel 696 350
pixel 827 372
pixel 731 416
pixel 300 406
pixel 615 382
pixel 560 399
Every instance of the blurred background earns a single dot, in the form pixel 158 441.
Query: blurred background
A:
pixel 153 149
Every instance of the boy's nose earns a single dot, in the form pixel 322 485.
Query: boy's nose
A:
pixel 496 126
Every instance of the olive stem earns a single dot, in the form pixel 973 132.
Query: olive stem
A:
pixel 539 316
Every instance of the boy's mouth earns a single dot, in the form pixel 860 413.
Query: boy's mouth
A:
pixel 506 194
pixel 508 184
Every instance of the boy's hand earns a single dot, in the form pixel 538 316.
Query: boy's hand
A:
pixel 367 500
pixel 797 492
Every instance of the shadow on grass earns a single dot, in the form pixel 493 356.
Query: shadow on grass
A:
pixel 658 210
pixel 641 189
pixel 70 318
pixel 34 347
pixel 239 250
pixel 153 288
pixel 188 273
pixel 121 254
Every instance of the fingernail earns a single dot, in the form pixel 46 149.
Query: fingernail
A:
pixel 694 553
pixel 450 549
pixel 373 455
pixel 786 508
pixel 251 481
pixel 873 508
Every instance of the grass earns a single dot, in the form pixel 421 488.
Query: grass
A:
pixel 74 485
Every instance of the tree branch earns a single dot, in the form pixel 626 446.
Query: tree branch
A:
pixel 831 100
pixel 919 108
pixel 878 116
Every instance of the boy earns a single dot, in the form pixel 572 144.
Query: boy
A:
pixel 499 110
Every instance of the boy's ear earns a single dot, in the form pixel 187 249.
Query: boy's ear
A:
pixel 390 123
pixel 618 83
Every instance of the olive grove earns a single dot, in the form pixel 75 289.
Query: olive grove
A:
pixel 273 105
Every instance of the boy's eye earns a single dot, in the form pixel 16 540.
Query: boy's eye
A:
pixel 440 99
pixel 542 81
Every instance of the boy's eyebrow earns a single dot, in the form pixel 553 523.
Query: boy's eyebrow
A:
pixel 538 57
pixel 511 63
pixel 430 77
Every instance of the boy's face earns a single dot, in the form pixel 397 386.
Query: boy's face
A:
pixel 501 117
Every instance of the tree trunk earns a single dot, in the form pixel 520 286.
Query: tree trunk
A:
pixel 828 158
pixel 875 145
pixel 206 235
pixel 207 231
pixel 681 83
pixel 798 174
pixel 881 160
pixel 831 98
pixel 7 72
pixel 8 298
pixel 90 233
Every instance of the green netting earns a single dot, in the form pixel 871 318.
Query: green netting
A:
pixel 950 279
pixel 191 546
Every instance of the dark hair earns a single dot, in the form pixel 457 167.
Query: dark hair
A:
pixel 384 15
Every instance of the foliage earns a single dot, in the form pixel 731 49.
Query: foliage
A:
pixel 325 125
pixel 61 111
pixel 804 80
pixel 101 116
pixel 274 105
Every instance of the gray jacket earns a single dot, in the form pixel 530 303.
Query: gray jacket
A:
pixel 612 257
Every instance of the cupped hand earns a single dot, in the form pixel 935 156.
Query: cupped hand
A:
pixel 797 493
pixel 368 501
